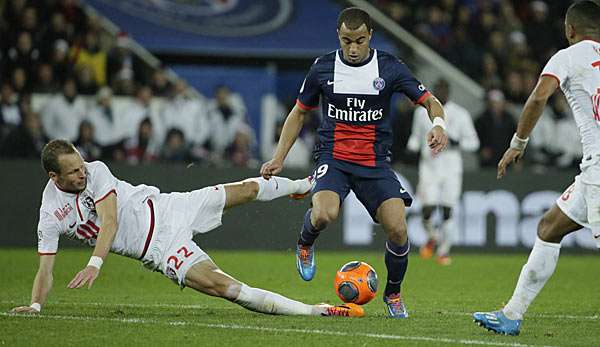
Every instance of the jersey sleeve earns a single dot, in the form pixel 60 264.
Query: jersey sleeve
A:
pixel 48 234
pixel 308 98
pixel 557 67
pixel 405 82
pixel 103 182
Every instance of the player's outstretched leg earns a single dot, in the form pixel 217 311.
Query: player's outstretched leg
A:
pixel 258 188
pixel 207 278
pixel 325 210
pixel 534 275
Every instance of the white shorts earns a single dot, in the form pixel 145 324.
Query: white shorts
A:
pixel 439 188
pixel 179 217
pixel 581 203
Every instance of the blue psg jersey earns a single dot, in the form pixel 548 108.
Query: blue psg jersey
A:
pixel 355 99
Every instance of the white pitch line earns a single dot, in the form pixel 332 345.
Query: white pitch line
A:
pixel 276 330
pixel 204 307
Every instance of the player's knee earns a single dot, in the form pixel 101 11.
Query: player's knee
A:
pixel 546 230
pixel 249 190
pixel 321 217
pixel 398 233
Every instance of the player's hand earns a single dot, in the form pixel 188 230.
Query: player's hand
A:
pixel 270 168
pixel 437 139
pixel 510 156
pixel 24 309
pixel 87 275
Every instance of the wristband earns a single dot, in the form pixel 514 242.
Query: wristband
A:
pixel 518 143
pixel 95 262
pixel 440 122
pixel 36 306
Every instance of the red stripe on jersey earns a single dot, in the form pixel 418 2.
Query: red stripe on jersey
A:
pixel 83 234
pixel 89 230
pixel 46 253
pixel 305 107
pixel 151 229
pixel 77 205
pixel 94 226
pixel 553 76
pixel 422 98
pixel 354 143
pixel 106 196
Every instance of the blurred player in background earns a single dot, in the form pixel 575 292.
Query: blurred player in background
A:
pixel 440 177
pixel 85 202
pixel 354 85
pixel 576 70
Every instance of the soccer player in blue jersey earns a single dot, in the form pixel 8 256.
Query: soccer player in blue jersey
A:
pixel 354 85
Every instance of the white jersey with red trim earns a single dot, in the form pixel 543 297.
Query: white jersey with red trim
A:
pixel 461 135
pixel 577 69
pixel 74 215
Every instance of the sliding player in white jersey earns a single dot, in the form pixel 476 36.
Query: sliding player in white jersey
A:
pixel 576 70
pixel 440 176
pixel 84 201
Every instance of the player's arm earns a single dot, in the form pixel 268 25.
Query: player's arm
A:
pixel 437 139
pixel 107 212
pixel 532 112
pixel 41 286
pixel 291 128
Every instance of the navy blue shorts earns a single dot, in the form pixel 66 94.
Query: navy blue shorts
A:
pixel 371 190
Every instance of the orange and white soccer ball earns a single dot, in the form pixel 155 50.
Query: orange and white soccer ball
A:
pixel 356 282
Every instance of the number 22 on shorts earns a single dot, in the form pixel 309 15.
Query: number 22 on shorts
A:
pixel 177 261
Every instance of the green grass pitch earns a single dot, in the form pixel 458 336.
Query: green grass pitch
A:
pixel 129 305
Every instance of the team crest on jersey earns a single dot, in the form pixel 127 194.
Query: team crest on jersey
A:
pixel 379 83
pixel 88 202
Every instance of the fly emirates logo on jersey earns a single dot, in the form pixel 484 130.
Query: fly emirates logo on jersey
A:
pixel 354 111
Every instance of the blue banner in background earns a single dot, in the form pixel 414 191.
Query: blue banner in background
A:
pixel 245 28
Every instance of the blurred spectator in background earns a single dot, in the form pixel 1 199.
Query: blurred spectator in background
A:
pixel 85 143
pixel 57 30
pixel 26 140
pixel 142 148
pixel 60 61
pixel 185 112
pixel 122 64
pixel 10 114
pixel 227 114
pixel 109 125
pixel 239 151
pixel 160 82
pixel 73 13
pixel 495 127
pixel 20 81
pixel 63 113
pixel 86 85
pixel 137 110
pixel 45 82
pixel 90 55
pixel 23 54
pixel 175 148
